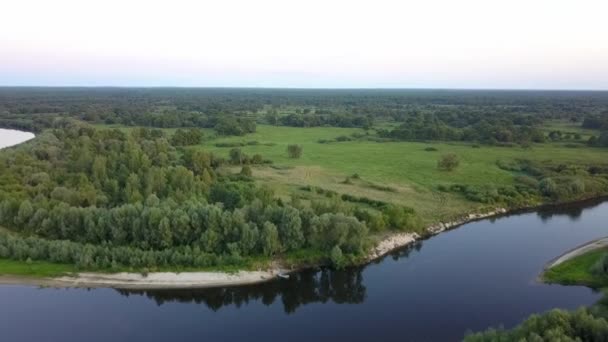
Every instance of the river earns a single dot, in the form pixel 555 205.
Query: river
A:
pixel 479 275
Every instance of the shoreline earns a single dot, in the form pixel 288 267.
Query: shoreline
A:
pixel 577 251
pixel 190 280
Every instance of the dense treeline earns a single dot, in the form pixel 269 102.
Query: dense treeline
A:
pixel 596 121
pixel 599 141
pixel 113 195
pixel 455 126
pixel 328 118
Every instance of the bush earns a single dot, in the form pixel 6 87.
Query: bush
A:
pixel 246 171
pixel 343 138
pixel 294 151
pixel 400 218
pixel 548 187
pixel 229 144
pixel 448 162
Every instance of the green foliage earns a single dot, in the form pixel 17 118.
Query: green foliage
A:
pixel 448 162
pixel 555 325
pixel 401 218
pixel 234 126
pixel 182 137
pixel 236 156
pixel 246 171
pixel 337 258
pixel 294 151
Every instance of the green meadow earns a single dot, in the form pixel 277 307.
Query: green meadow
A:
pixel 408 169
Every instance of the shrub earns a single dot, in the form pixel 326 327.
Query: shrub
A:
pixel 527 181
pixel 246 171
pixel 229 144
pixel 236 156
pixel 448 162
pixel 294 151
pixel 548 187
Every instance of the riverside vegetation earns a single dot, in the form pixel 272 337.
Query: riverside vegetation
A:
pixel 168 179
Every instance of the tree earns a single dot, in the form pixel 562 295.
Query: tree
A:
pixel 448 162
pixel 236 156
pixel 132 189
pixel 337 259
pixel 249 237
pixel 99 169
pixel 200 161
pixel 25 214
pixel 294 151
pixel 290 228
pixel 270 239
pixel 182 137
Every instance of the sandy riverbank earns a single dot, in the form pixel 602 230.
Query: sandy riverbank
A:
pixel 579 250
pixel 167 280
pixel 156 280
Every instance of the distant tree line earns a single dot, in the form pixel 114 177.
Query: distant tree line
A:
pixel 236 111
pixel 490 131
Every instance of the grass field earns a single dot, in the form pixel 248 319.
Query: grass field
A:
pixel 569 127
pixel 403 166
pixel 34 268
pixel 576 271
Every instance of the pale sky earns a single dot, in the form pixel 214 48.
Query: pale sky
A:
pixel 515 44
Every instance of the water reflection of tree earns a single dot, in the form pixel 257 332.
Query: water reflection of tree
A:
pixel 572 211
pixel 311 286
pixel 300 289
pixel 405 252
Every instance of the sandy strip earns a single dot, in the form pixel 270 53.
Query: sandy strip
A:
pixel 582 249
pixel 168 280
pixel 156 280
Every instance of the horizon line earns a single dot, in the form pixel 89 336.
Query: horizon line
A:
pixel 304 88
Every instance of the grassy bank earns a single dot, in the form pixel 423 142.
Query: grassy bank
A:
pixel 578 271
pixel 40 269
pixel 43 269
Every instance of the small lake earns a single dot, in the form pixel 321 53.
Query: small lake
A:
pixel 481 274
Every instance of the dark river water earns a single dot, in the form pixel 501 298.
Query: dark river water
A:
pixel 479 275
